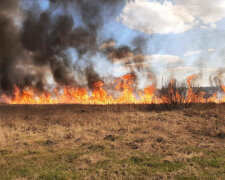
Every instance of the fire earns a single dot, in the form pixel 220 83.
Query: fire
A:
pixel 191 96
pixel 99 95
pixel 125 85
pixel 125 89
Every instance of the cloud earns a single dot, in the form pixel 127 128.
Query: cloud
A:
pixel 209 69
pixel 211 50
pixel 191 53
pixel 213 26
pixel 166 59
pixel 154 17
pixel 209 26
pixel 182 68
pixel 208 11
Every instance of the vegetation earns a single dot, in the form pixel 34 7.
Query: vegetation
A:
pixel 112 142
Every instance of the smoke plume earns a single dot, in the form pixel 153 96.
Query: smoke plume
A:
pixel 39 44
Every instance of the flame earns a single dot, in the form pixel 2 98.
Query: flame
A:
pixel 125 89
pixel 191 96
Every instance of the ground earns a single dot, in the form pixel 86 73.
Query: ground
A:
pixel 112 142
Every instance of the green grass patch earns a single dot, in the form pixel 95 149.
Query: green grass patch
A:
pixel 154 164
pixel 4 152
pixel 53 175
pixel 103 162
pixel 209 162
pixel 187 177
pixel 43 165
pixel 190 149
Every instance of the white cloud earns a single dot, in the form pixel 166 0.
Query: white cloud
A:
pixel 166 59
pixel 154 17
pixel 213 26
pixel 211 50
pixel 191 53
pixel 210 69
pixel 204 27
pixel 209 26
pixel 208 11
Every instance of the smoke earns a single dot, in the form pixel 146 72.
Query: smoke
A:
pixel 10 47
pixel 216 78
pixel 123 54
pixel 39 44
pixel 92 77
pixel 140 44
pixel 133 58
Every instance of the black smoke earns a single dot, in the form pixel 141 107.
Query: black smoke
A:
pixel 40 43
pixel 10 46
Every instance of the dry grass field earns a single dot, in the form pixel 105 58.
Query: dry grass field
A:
pixel 112 142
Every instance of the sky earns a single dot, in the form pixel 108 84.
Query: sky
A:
pixel 183 37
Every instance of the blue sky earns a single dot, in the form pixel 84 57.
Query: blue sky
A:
pixel 193 31
pixel 175 44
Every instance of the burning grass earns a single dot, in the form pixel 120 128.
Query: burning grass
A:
pixel 124 93
pixel 175 141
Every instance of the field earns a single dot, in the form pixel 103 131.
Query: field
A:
pixel 112 142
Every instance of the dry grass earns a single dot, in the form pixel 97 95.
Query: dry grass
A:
pixel 112 142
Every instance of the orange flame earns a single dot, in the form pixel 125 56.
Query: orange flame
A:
pixel 191 96
pixel 125 89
